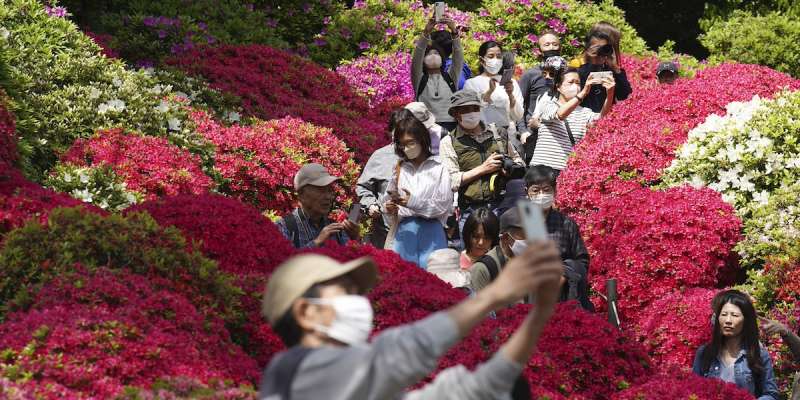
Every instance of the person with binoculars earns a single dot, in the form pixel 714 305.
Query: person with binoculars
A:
pixel 478 157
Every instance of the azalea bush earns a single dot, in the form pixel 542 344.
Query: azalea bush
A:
pixel 129 329
pixel 8 139
pixel 684 386
pixel 747 155
pixel 149 167
pixel 380 78
pixel 635 239
pixel 304 90
pixel 675 326
pixel 134 242
pixel 767 39
pixel 258 162
pixel 84 91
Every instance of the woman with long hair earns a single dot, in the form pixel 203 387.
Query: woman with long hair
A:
pixel 734 353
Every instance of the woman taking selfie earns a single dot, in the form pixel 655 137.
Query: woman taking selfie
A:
pixel 735 354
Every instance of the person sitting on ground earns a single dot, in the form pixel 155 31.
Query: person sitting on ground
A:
pixel 734 353
pixel 432 83
pixel 481 234
pixel 563 121
pixel 474 157
pixel 374 179
pixel 444 40
pixel 512 242
pixel 308 225
pixel 317 307
pixel 667 72
pixel 419 194
pixel 602 54
pixel 444 264
pixel 540 182
pixel 534 83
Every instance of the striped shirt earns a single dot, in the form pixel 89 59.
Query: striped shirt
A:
pixel 553 145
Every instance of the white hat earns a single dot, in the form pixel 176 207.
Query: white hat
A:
pixel 421 112
pixel 444 263
pixel 313 174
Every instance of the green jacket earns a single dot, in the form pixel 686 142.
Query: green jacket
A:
pixel 471 154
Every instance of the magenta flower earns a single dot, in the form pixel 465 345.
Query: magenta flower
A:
pixel 326 20
pixel 346 33
pixel 391 31
pixel 272 23
pixel 538 17
pixel 358 4
pixel 364 45
pixel 532 38
pixel 483 13
pixel 575 43
pixel 162 34
pixel 306 8
pixel 319 42
pixel 58 12
pixel 526 3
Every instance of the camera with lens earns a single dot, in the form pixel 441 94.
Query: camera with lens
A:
pixel 510 169
pixel 605 51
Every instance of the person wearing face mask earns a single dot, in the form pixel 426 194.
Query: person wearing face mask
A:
pixel 512 243
pixel 540 182
pixel 421 112
pixel 474 156
pixel 562 121
pixel 433 85
pixel 317 307
pixel 533 84
pixel 500 105
pixel 735 354
pixel 419 194
pixel 602 54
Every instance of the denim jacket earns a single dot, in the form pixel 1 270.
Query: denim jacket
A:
pixel 742 374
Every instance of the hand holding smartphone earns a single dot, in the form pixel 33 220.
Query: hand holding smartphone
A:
pixel 532 221
pixel 508 74
pixel 600 75
pixel 355 213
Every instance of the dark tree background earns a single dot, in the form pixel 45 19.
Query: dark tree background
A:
pixel 659 20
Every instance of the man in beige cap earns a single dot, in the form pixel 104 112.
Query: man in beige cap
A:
pixel 317 306
pixel 308 225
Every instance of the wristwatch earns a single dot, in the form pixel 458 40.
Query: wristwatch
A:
pixel 578 96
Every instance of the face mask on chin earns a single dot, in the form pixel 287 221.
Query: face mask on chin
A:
pixel 353 322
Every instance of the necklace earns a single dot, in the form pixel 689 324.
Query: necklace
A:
pixel 436 80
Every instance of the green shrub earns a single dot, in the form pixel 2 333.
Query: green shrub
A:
pixel 296 21
pixel 35 253
pixel 63 89
pixel 772 40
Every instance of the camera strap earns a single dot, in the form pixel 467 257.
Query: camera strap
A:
pixel 569 133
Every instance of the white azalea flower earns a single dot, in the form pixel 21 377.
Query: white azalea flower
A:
pixel 94 93
pixel 163 107
pixel 83 178
pixel 4 33
pixel 762 197
pixel 174 124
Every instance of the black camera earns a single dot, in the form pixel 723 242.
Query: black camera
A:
pixel 605 51
pixel 510 169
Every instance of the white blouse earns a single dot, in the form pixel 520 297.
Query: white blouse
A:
pixel 498 110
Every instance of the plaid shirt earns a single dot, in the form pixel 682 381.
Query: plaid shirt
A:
pixel 565 233
pixel 307 230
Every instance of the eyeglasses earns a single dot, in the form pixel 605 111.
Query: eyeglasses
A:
pixel 534 190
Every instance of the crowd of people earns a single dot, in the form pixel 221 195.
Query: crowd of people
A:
pixel 442 195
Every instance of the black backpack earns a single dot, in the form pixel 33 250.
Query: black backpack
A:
pixel 424 82
pixel 491 264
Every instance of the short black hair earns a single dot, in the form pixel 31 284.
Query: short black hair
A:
pixel 287 328
pixel 594 34
pixel 396 116
pixel 558 79
pixel 417 129
pixel 443 41
pixel 485 46
pixel 541 175
pixel 485 218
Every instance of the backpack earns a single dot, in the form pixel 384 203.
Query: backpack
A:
pixel 491 264
pixel 294 231
pixel 424 83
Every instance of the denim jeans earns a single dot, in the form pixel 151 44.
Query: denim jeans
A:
pixel 416 238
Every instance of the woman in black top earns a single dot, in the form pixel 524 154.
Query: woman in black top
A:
pixel 600 55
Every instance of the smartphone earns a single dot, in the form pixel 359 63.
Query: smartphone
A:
pixel 438 11
pixel 355 213
pixel 600 74
pixel 508 74
pixel 532 220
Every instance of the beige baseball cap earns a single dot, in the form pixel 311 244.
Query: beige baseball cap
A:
pixel 313 174
pixel 298 274
pixel 421 112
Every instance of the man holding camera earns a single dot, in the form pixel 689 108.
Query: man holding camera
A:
pixel 478 157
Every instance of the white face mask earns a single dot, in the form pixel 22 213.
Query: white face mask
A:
pixel 470 120
pixel 413 151
pixel 519 247
pixel 353 322
pixel 433 61
pixel 569 91
pixel 544 200
pixel 493 65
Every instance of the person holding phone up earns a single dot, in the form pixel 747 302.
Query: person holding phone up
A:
pixel 501 100
pixel 419 194
pixel 601 56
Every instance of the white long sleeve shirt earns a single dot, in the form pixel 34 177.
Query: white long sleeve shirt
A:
pixel 498 110
pixel 429 185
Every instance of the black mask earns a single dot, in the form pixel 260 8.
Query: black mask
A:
pixel 550 53
pixel 548 82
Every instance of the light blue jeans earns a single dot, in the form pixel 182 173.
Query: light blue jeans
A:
pixel 416 238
